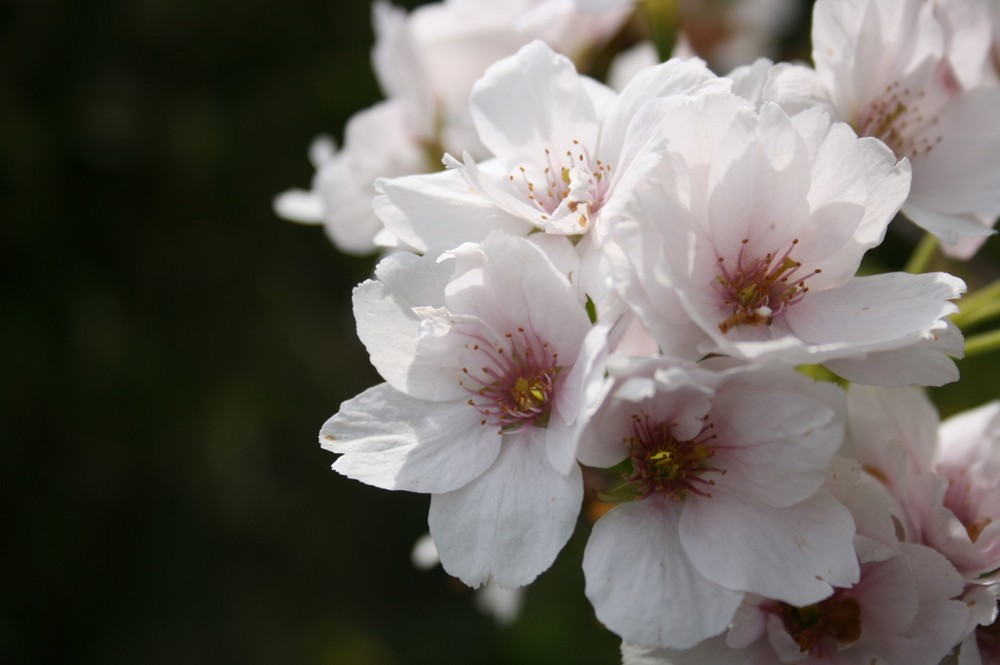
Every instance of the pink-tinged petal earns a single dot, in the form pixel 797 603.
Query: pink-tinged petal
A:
pixel 795 554
pixel 972 437
pixel 673 78
pixel 519 289
pixel 961 174
pixel 941 619
pixel 951 228
pixel 867 500
pixel 396 442
pixel 877 312
pixel 642 584
pixel 482 179
pixel 926 363
pixel 862 171
pixel 531 101
pixel 631 258
pixel 775 445
pixel 966 248
pixel 389 327
pixel 440 209
pixel 882 418
pixel 888 597
pixel 560 444
pixel 664 391
pixel 938 526
pixel 396 56
pixel 760 193
pixel 512 521
pixel 796 88
pixel 749 80
pixel 703 130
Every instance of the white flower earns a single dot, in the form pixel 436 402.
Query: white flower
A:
pixel 476 347
pixel 909 72
pixel 946 477
pixel 723 497
pixel 905 608
pixel 748 243
pixel 426 63
pixel 378 142
pixel 567 152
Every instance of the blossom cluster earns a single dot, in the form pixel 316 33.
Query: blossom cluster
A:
pixel 660 281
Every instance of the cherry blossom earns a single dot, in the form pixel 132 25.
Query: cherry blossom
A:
pixel 911 73
pixel 905 608
pixel 476 347
pixel 426 63
pixel 945 477
pixel 562 163
pixel 749 242
pixel 718 464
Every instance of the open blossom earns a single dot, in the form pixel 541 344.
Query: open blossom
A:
pixel 426 63
pixel 567 152
pixel 476 347
pixel 748 242
pixel 911 73
pixel 905 608
pixel 723 497
pixel 945 477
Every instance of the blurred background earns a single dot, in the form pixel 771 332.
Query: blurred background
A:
pixel 172 348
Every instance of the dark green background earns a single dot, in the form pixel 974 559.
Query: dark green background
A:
pixel 171 348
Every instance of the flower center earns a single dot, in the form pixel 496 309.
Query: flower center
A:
pixel 838 617
pixel 906 119
pixel 662 464
pixel 757 290
pixel 514 386
pixel 572 183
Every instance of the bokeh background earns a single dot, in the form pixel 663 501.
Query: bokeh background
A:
pixel 170 349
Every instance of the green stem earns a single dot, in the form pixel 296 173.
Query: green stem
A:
pixel 982 343
pixel 966 318
pixel 922 255
pixel 662 15
pixel 978 306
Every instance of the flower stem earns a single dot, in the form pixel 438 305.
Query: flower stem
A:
pixel 982 343
pixel 979 306
pixel 662 16
pixel 922 255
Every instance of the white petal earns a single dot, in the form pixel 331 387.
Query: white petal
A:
pixel 926 363
pixel 388 325
pixel 510 284
pixel 298 205
pixel 877 312
pixel 642 585
pixel 396 442
pixel 440 209
pixel 531 101
pixel 951 228
pixel 794 554
pixel 672 78
pixel 510 522
pixel 775 445
pixel 961 174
